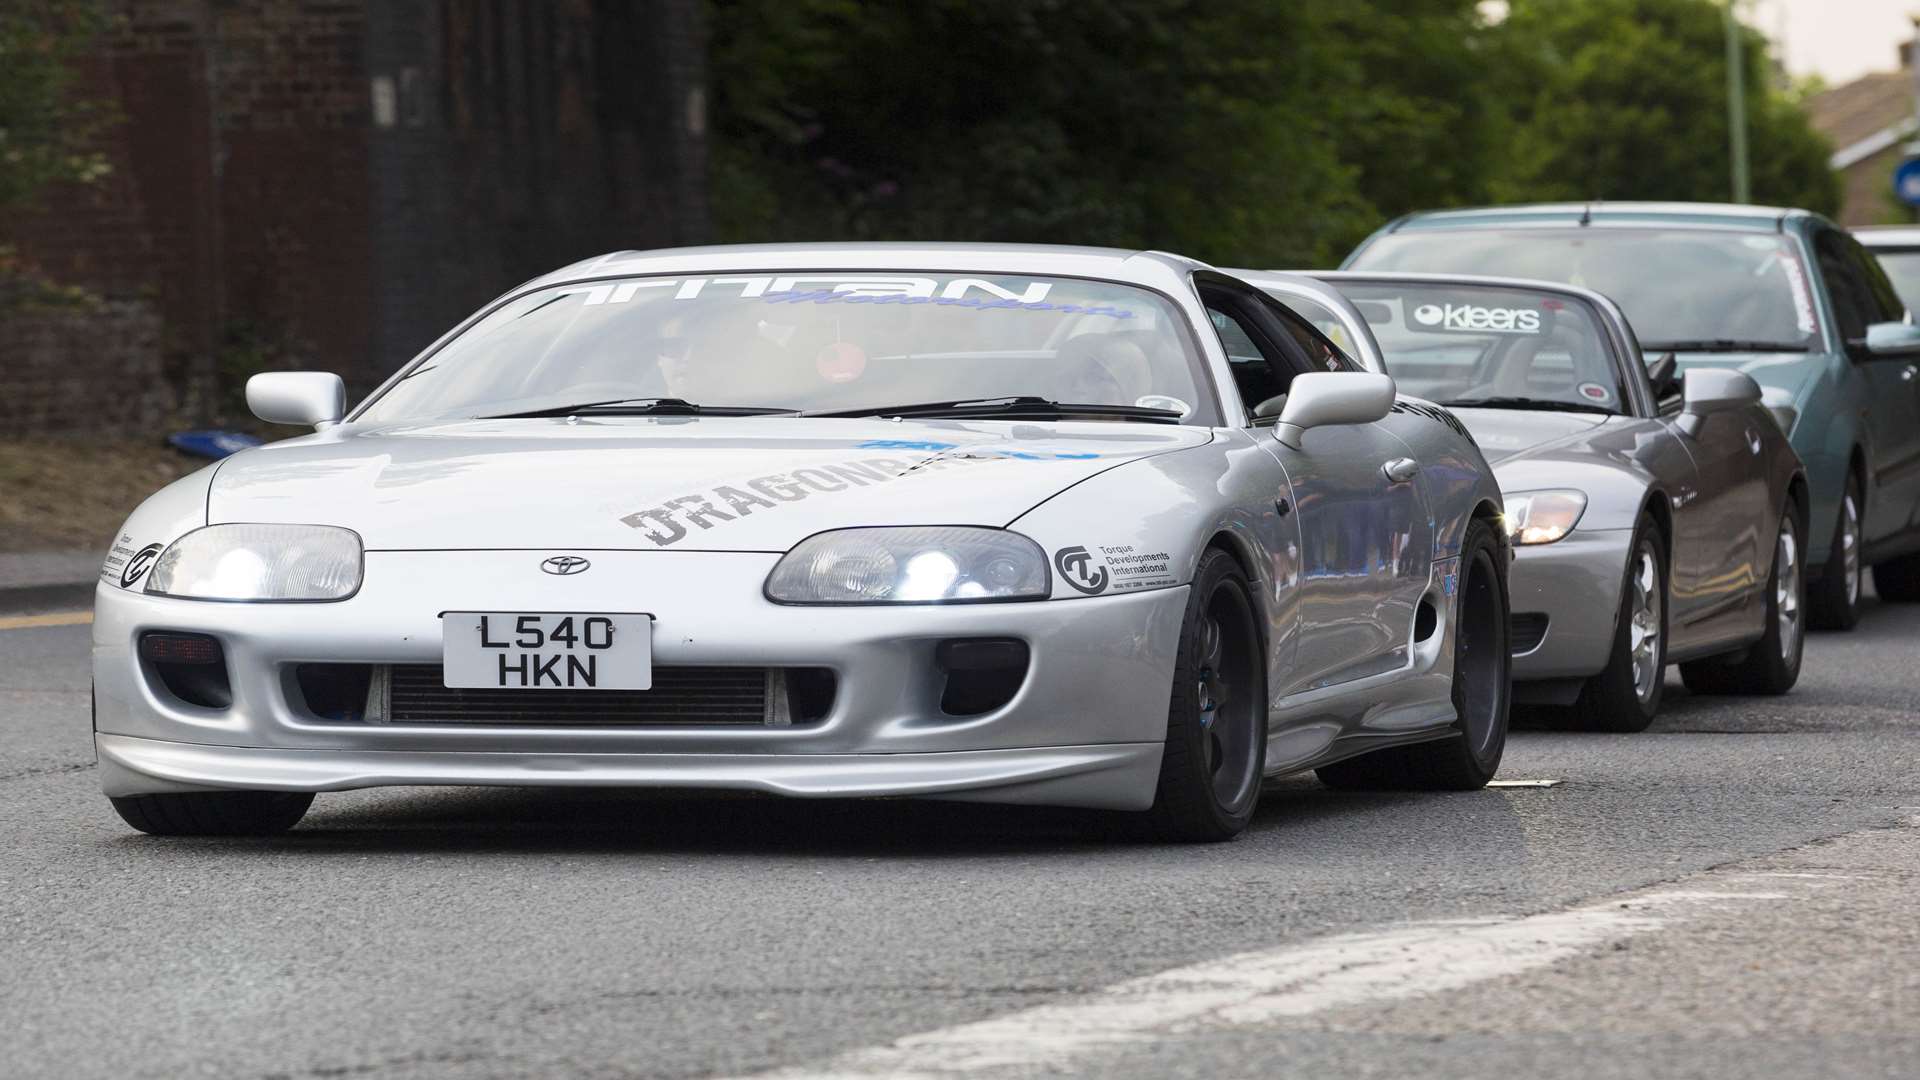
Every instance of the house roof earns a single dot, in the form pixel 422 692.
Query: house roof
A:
pixel 1865 116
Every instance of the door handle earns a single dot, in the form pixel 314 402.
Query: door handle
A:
pixel 1400 470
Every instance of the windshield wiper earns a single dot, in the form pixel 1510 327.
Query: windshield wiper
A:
pixel 645 406
pixel 1724 345
pixel 1021 407
pixel 1527 403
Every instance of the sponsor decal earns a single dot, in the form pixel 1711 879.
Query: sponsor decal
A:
pixel 859 288
pixel 1802 299
pixel 1593 391
pixel 122 550
pixel 1113 568
pixel 984 453
pixel 138 565
pixel 1133 569
pixel 1081 569
pixel 564 566
pixel 1472 318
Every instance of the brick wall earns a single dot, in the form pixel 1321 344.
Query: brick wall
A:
pixel 84 369
pixel 346 178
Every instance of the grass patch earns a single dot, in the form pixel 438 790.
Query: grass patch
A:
pixel 73 493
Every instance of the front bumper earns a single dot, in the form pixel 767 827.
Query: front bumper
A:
pixel 1084 728
pixel 1575 584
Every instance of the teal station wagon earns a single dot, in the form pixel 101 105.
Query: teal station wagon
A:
pixel 1784 295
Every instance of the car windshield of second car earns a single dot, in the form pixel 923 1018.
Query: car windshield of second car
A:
pixel 1682 289
pixel 1491 347
pixel 811 343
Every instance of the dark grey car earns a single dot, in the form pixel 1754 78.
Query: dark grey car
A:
pixel 1656 518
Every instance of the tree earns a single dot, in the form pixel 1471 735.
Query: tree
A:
pixel 1627 99
pixel 45 132
pixel 1162 123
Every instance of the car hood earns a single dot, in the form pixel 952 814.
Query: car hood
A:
pixel 1512 433
pixel 694 483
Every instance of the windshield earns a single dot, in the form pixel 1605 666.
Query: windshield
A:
pixel 1497 346
pixel 811 342
pixel 1904 268
pixel 1674 284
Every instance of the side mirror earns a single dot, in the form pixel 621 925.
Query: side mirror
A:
pixel 1660 375
pixel 1705 391
pixel 1888 340
pixel 311 398
pixel 1323 398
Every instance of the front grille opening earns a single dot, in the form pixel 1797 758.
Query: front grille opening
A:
pixel 683 696
pixel 190 667
pixel 334 691
pixel 1526 630
pixel 982 674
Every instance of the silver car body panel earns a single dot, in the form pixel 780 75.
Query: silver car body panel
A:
pixel 459 516
pixel 1720 493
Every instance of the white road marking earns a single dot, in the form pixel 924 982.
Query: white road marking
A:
pixel 1258 987
pixel 1525 783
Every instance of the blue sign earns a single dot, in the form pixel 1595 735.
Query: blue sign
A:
pixel 1906 181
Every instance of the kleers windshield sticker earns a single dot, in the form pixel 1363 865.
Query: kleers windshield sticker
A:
pixel 1472 318
pixel 1802 300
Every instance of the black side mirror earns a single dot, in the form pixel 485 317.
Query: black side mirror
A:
pixel 1661 374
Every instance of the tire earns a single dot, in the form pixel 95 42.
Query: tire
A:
pixel 1834 600
pixel 1625 696
pixel 1216 749
pixel 214 813
pixel 1898 580
pixel 1482 692
pixel 1772 664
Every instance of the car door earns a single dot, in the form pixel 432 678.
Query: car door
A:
pixel 1366 534
pixel 1893 416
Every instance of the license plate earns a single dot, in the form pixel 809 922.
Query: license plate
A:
pixel 546 651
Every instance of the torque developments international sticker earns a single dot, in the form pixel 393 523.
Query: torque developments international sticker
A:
pixel 137 566
pixel 1472 318
pixel 122 551
pixel 1081 569
pixel 1593 391
pixel 1137 569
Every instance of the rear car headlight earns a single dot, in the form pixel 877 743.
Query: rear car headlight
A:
pixel 1541 517
pixel 921 564
pixel 260 563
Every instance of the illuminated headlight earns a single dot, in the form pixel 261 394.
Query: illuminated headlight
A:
pixel 910 565
pixel 260 562
pixel 1541 517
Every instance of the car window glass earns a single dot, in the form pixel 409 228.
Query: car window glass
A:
pixel 813 342
pixel 1257 375
pixel 1903 270
pixel 1321 352
pixel 1459 343
pixel 1852 302
pixel 1674 284
pixel 1322 319
pixel 1887 305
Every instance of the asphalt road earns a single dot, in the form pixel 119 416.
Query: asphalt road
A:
pixel 1730 894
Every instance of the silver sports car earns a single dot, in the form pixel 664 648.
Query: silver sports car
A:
pixel 1656 520
pixel 1014 524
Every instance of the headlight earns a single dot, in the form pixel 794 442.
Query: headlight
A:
pixel 260 562
pixel 910 565
pixel 1541 517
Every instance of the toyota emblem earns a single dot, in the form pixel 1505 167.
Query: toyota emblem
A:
pixel 565 564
